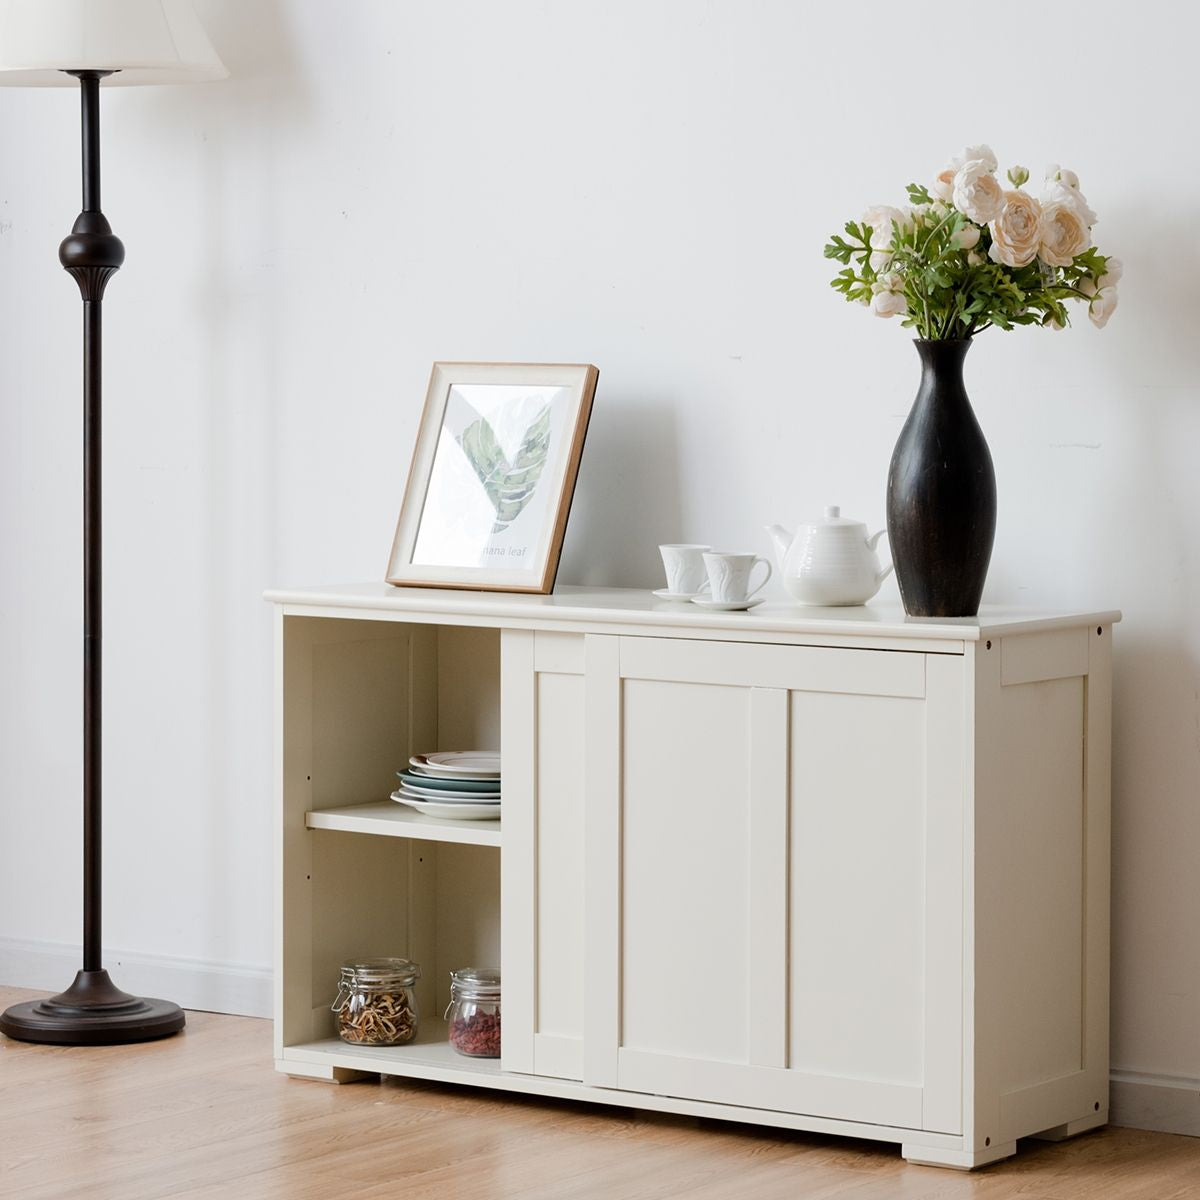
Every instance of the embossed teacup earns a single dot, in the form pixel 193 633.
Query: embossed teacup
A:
pixel 684 565
pixel 729 576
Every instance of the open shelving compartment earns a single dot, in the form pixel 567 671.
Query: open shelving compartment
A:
pixel 361 876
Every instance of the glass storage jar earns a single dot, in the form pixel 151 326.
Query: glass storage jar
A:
pixel 375 1004
pixel 474 1012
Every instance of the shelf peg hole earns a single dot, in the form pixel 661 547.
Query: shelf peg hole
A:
pixel 987 1141
pixel 989 645
pixel 1099 630
pixel 1097 1105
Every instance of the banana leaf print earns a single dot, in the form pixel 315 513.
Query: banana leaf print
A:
pixel 509 485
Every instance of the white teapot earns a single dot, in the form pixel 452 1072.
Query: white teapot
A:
pixel 830 562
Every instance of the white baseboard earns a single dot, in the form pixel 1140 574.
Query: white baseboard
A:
pixel 1165 1103
pixel 189 982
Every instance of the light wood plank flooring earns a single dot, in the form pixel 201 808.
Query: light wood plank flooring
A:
pixel 205 1115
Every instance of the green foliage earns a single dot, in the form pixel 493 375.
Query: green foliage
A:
pixel 949 291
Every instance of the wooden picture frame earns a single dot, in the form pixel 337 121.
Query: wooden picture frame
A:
pixel 492 477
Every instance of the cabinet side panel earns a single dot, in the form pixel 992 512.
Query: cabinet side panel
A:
pixel 1030 882
pixel 685 869
pixel 559 793
pixel 857 887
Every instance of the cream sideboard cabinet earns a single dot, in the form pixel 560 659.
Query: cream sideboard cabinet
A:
pixel 832 870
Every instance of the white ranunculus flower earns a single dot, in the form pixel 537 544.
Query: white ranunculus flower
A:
pixel 1064 234
pixel 977 194
pixel 942 186
pixel 1114 268
pixel 943 182
pixel 1088 287
pixel 1057 174
pixel 975 154
pixel 889 298
pixel 975 259
pixel 1055 324
pixel 1017 231
pixel 1056 192
pixel 1018 175
pixel 1102 306
pixel 880 219
pixel 880 260
pixel 967 238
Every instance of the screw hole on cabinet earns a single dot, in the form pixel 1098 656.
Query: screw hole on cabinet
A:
pixel 1099 630
pixel 989 645
pixel 987 1141
pixel 1097 1105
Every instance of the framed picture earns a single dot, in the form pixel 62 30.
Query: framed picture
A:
pixel 492 476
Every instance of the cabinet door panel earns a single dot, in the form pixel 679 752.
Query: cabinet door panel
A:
pixel 762 884
pixel 857 868
pixel 542 898
pixel 685 869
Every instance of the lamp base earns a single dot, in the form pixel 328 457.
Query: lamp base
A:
pixel 93 1011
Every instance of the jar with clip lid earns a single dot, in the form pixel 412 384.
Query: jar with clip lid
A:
pixel 375 1004
pixel 474 1011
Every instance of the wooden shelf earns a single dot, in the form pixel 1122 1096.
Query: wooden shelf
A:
pixel 389 819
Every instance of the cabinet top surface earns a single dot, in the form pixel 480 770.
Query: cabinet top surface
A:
pixel 606 606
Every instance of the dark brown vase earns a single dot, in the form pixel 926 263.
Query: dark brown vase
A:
pixel 941 500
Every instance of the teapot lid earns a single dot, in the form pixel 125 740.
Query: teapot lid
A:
pixel 833 517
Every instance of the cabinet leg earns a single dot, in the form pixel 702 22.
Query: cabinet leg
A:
pixel 960 1160
pixel 324 1074
pixel 1060 1133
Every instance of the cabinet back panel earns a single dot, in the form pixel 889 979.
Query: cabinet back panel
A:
pixel 559 854
pixel 857 905
pixel 685 876
pixel 468 699
pixel 362 703
pixel 360 906
pixel 467 917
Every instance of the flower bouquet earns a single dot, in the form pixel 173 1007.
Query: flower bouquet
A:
pixel 967 254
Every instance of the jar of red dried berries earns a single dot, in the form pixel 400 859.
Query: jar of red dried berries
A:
pixel 474 1012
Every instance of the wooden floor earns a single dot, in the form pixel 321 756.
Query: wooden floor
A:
pixel 205 1115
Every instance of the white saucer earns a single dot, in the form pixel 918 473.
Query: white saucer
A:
pixel 667 594
pixel 728 605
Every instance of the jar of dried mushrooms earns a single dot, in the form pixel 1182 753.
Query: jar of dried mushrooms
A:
pixel 375 1004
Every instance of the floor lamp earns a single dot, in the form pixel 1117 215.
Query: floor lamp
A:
pixel 78 43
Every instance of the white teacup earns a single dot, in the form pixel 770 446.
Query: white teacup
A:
pixel 684 565
pixel 729 576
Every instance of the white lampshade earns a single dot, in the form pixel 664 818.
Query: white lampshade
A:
pixel 145 41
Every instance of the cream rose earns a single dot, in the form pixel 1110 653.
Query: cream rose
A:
pixel 1017 231
pixel 977 194
pixel 889 298
pixel 1103 305
pixel 1064 234
pixel 1114 268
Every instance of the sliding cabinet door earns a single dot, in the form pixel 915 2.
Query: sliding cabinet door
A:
pixel 774 877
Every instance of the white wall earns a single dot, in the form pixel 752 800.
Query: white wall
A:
pixel 643 185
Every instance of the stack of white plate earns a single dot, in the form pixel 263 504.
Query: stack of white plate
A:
pixel 463 785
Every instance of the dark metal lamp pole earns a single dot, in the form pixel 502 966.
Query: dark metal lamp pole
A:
pixel 93 1010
